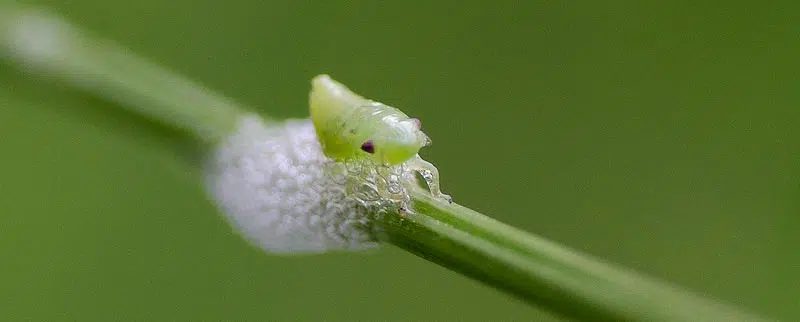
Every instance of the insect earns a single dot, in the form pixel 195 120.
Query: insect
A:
pixel 352 127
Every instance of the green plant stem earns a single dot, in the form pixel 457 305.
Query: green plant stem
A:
pixel 537 271
pixel 53 48
pixel 541 272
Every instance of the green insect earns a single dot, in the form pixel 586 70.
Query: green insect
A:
pixel 352 127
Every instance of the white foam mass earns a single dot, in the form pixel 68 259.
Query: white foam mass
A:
pixel 272 182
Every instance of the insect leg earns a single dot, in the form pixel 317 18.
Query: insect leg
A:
pixel 382 183
pixel 430 173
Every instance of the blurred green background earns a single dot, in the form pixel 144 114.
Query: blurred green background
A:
pixel 658 136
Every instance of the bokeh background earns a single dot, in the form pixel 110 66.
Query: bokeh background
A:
pixel 660 136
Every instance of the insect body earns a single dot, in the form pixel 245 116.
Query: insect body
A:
pixel 352 127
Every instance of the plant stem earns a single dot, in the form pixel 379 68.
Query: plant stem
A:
pixel 533 269
pixel 50 46
pixel 541 272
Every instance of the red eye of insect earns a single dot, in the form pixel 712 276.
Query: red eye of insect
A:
pixel 368 146
pixel 417 122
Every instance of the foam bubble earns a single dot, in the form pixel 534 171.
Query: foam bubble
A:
pixel 276 187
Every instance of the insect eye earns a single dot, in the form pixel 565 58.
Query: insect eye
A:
pixel 417 122
pixel 368 146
